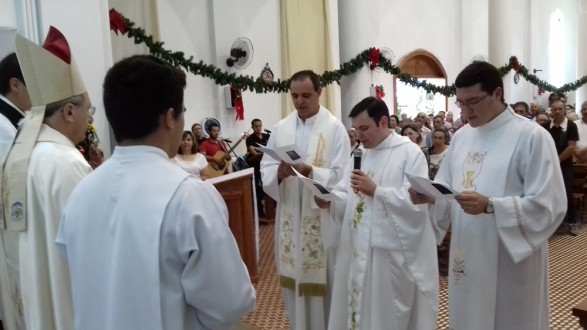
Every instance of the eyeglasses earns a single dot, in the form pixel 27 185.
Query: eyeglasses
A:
pixel 469 104
pixel 91 110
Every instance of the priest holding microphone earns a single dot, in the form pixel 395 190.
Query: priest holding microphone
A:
pixel 385 257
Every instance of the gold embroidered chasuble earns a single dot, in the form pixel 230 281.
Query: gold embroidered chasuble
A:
pixel 301 254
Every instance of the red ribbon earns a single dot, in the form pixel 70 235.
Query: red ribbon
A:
pixel 374 58
pixel 238 102
pixel 515 63
pixel 117 23
pixel 380 94
pixel 540 91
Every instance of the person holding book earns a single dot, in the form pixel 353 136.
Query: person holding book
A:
pixel 511 200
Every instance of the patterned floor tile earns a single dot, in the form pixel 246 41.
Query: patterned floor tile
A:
pixel 567 270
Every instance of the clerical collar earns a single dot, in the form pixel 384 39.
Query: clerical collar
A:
pixel 12 105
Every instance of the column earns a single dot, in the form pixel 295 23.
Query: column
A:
pixel 360 30
pixel 500 41
pixel 581 94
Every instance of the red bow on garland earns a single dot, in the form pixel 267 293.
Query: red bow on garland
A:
pixel 515 63
pixel 380 94
pixel 540 91
pixel 117 23
pixel 374 58
pixel 238 102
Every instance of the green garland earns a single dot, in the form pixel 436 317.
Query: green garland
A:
pixel 371 57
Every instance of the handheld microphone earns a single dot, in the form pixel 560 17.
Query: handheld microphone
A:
pixel 357 155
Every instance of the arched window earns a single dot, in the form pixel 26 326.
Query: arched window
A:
pixel 422 65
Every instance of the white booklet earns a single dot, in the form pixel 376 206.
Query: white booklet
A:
pixel 430 188
pixel 290 154
pixel 318 189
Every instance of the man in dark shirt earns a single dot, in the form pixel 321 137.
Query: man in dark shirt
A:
pixel 254 159
pixel 565 135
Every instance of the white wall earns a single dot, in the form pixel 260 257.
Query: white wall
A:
pixel 403 26
pixel 206 30
pixel 85 24
pixel 87 31
pixel 453 30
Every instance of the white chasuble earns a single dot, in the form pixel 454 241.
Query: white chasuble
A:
pixel 40 290
pixel 498 262
pixel 386 268
pixel 149 247
pixel 301 255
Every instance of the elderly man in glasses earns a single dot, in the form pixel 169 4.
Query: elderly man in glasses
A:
pixel 511 199
pixel 42 168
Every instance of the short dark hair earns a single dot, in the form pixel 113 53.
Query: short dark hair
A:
pixel 482 73
pixel 137 91
pixel 9 68
pixel 194 125
pixel 414 128
pixel 301 75
pixel 194 145
pixel 397 121
pixel 445 132
pixel 255 120
pixel 523 104
pixel 376 109
pixel 557 96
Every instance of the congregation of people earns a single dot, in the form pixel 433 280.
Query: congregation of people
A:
pixel 142 241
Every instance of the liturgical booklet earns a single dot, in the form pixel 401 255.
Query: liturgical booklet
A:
pixel 318 189
pixel 430 188
pixel 290 154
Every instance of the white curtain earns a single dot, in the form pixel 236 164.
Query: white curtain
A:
pixel 306 43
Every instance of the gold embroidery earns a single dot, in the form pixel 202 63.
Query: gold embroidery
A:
pixel 287 282
pixel 287 246
pixel 519 222
pixel 359 209
pixel 458 267
pixel 17 301
pixel 354 305
pixel 312 289
pixel 319 156
pixel 471 170
pixel 313 249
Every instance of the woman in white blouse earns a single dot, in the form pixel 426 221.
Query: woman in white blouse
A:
pixel 189 158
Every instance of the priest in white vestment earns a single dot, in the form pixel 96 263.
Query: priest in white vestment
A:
pixel 386 273
pixel 511 200
pixel 42 168
pixel 147 244
pixel 304 236
pixel 14 101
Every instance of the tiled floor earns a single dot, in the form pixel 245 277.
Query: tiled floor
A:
pixel 568 284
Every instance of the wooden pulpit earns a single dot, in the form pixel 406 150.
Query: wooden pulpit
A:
pixel 237 190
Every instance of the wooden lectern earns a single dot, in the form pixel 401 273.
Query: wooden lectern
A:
pixel 237 190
